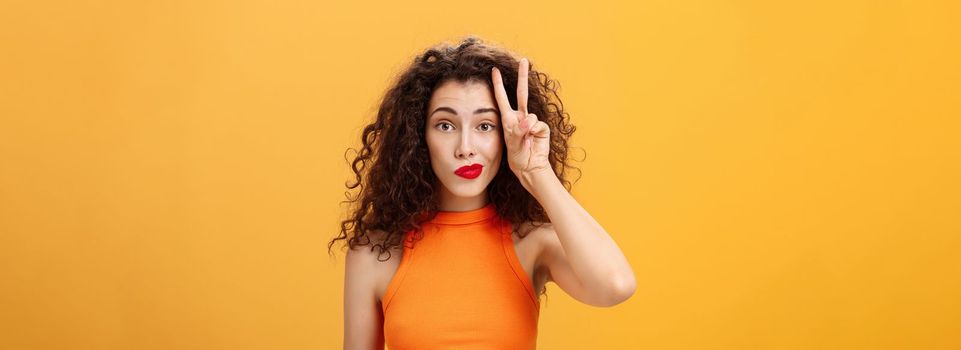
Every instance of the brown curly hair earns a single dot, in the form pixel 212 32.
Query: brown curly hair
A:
pixel 392 170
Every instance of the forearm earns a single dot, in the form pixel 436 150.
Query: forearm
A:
pixel 593 255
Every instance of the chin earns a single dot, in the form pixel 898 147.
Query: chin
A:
pixel 469 190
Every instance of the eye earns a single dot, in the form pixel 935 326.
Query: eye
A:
pixel 442 124
pixel 489 125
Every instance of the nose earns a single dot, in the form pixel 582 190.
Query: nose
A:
pixel 465 149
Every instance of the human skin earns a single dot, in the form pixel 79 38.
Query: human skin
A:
pixel 463 129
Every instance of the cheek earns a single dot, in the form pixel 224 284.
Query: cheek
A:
pixel 493 147
pixel 433 145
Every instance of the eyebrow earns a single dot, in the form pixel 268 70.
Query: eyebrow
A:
pixel 452 111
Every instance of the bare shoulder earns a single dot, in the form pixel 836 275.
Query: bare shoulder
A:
pixel 365 277
pixel 537 232
pixel 378 266
pixel 363 319
pixel 539 237
pixel 366 256
pixel 361 264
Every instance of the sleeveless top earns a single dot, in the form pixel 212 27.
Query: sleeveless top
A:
pixel 461 286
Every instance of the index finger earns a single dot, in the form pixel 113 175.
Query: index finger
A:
pixel 522 73
pixel 500 94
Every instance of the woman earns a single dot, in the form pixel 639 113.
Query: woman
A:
pixel 466 200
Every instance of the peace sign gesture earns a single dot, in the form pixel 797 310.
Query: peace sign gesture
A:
pixel 527 138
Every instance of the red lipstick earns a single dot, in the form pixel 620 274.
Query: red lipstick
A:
pixel 469 171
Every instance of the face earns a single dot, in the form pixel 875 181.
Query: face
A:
pixel 463 129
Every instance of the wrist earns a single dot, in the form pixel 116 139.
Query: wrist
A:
pixel 538 181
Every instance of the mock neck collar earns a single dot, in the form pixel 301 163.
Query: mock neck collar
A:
pixel 465 217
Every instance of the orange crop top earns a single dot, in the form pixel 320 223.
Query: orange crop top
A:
pixel 461 286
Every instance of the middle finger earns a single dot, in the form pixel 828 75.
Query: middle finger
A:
pixel 522 72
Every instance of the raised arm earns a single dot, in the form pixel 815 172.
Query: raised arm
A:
pixel 580 255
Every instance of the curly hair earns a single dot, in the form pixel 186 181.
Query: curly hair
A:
pixel 394 182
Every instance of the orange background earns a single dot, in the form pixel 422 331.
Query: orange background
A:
pixel 781 176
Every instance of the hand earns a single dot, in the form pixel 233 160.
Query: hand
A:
pixel 527 139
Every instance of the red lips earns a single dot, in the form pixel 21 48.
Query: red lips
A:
pixel 469 171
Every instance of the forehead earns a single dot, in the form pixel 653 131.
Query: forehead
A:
pixel 467 95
